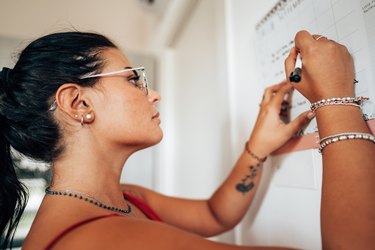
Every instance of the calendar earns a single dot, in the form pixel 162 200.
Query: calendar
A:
pixel 349 22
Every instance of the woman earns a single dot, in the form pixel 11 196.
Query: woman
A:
pixel 74 99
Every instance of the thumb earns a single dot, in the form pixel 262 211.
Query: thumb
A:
pixel 294 126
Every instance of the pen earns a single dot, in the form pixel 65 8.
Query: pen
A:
pixel 295 76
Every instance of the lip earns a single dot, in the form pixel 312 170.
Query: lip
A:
pixel 156 116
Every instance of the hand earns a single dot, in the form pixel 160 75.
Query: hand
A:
pixel 270 131
pixel 327 68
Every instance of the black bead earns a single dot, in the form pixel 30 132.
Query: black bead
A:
pixel 92 201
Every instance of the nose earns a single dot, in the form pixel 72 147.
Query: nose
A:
pixel 153 96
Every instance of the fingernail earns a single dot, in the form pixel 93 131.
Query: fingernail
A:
pixel 310 115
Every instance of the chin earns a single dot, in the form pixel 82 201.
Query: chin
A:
pixel 155 139
pixel 158 138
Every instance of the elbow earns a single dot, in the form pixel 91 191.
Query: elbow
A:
pixel 219 224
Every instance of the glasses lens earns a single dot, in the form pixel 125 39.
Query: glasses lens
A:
pixel 143 79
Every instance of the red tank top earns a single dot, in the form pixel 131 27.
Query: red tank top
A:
pixel 146 210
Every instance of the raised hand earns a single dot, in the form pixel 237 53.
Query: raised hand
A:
pixel 271 131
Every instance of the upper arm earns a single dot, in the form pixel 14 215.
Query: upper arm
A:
pixel 191 215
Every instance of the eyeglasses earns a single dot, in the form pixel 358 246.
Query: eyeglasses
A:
pixel 139 79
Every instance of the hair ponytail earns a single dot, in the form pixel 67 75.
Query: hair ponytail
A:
pixel 13 195
pixel 26 123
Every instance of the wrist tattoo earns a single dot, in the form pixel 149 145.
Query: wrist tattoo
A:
pixel 247 182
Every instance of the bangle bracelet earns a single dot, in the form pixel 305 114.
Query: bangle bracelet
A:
pixel 254 155
pixel 344 136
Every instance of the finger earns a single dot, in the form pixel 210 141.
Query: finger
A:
pixel 299 122
pixel 279 97
pixel 302 40
pixel 270 91
pixel 320 37
pixel 290 62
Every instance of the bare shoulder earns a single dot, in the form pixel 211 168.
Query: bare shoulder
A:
pixel 131 233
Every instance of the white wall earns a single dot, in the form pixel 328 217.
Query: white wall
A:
pixel 200 102
pixel 125 21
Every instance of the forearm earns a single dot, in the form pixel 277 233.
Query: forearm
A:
pixel 348 204
pixel 232 199
pixel 209 217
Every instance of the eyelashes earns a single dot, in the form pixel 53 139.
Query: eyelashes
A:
pixel 134 80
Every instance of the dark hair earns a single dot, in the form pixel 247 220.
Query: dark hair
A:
pixel 26 94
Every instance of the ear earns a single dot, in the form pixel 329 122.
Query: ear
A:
pixel 74 101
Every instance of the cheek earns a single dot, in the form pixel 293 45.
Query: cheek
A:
pixel 124 116
pixel 126 120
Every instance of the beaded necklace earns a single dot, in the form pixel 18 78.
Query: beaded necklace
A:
pixel 88 198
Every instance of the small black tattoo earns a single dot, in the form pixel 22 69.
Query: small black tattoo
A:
pixel 247 183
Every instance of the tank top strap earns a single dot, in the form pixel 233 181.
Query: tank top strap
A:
pixel 76 225
pixel 146 209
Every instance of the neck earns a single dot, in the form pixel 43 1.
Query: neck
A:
pixel 93 173
pixel 92 165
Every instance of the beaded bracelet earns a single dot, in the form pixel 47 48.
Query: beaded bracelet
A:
pixel 254 155
pixel 347 101
pixel 342 137
pixel 335 103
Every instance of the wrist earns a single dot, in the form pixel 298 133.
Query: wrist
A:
pixel 336 119
pixel 254 154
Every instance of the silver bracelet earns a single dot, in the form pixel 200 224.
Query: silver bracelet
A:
pixel 354 101
pixel 337 103
pixel 342 137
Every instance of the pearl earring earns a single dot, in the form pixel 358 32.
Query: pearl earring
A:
pixel 88 116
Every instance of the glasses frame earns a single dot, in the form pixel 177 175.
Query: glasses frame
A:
pixel 142 69
pixel 144 88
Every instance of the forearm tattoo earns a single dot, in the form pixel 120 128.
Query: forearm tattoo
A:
pixel 247 183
